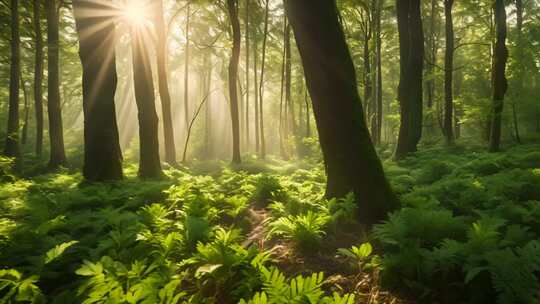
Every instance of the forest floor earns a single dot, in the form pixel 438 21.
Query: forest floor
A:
pixel 263 233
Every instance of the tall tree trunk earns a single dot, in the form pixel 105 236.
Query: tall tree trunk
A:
pixel 367 70
pixel 411 49
pixel 38 76
pixel 350 159
pixel 432 48
pixel 378 84
pixel 519 56
pixel 24 137
pixel 12 148
pixel 499 83
pixel 102 153
pixel 149 163
pixel 256 95
pixel 247 75
pixel 261 84
pixel 232 7
pixel 164 94
pixel 186 68
pixel 288 75
pixel 58 154
pixel 308 117
pixel 282 134
pixel 448 73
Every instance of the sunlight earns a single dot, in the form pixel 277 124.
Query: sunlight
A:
pixel 136 12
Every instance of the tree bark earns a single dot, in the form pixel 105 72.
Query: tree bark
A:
pixel 261 84
pixel 247 75
pixel 102 153
pixel 411 49
pixel 56 135
pixel 282 134
pixel 38 76
pixel 164 94
pixel 499 82
pixel 232 7
pixel 149 163
pixel 288 76
pixel 519 56
pixel 350 159
pixel 12 148
pixel 378 83
pixel 448 73
pixel 256 95
pixel 24 136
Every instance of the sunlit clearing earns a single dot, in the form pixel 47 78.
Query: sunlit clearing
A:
pixel 136 12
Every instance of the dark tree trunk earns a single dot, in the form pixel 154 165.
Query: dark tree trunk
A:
pixel 519 55
pixel 56 135
pixel 367 71
pixel 232 7
pixel 164 94
pixel 247 74
pixel 102 153
pixel 499 83
pixel 378 84
pixel 448 124
pixel 261 83
pixel 149 163
pixel 350 159
pixel 186 69
pixel 12 148
pixel 432 57
pixel 38 77
pixel 24 136
pixel 411 49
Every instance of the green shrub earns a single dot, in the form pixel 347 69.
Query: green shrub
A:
pixel 305 231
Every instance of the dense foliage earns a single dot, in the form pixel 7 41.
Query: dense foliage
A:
pixel 264 233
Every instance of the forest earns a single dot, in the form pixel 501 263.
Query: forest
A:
pixel 269 151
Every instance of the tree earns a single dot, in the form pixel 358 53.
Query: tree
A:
pixel 56 135
pixel 411 59
pixel 163 83
pixel 38 76
pixel 149 163
pixel 350 159
pixel 499 82
pixel 247 72
pixel 232 8
pixel 12 148
pixel 448 73
pixel 261 83
pixel 164 94
pixel 519 55
pixel 102 154
pixel 376 134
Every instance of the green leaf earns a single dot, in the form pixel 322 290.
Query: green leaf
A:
pixel 364 250
pixel 471 274
pixel 57 251
pixel 206 269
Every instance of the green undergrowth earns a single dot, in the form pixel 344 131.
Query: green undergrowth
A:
pixel 178 240
pixel 468 229
pixel 466 233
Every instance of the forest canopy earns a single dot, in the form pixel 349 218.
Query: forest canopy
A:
pixel 269 151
